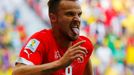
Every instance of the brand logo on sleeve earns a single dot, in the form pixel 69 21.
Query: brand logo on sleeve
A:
pixel 28 54
pixel 33 44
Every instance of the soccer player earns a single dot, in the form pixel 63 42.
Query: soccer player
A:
pixel 59 50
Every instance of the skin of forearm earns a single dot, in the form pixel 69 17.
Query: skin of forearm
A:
pixel 36 69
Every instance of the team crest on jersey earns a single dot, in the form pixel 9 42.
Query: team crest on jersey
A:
pixel 33 44
pixel 57 55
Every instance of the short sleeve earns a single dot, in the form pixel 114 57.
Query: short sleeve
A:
pixel 31 53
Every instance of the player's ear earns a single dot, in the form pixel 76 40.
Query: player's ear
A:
pixel 53 17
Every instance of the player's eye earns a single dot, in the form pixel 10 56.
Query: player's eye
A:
pixel 70 14
pixel 80 14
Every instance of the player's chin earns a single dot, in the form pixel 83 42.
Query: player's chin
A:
pixel 74 37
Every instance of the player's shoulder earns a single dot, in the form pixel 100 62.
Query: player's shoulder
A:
pixel 37 39
pixel 88 42
pixel 41 34
pixel 85 38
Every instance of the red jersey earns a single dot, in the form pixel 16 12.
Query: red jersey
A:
pixel 42 48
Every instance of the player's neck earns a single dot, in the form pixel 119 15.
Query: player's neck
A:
pixel 61 41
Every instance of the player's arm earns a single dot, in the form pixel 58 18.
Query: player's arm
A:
pixel 22 69
pixel 71 54
pixel 88 69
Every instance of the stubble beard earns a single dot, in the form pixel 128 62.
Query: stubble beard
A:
pixel 69 37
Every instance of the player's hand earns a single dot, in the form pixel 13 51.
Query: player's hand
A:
pixel 73 52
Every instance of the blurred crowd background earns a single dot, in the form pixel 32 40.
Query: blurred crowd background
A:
pixel 109 24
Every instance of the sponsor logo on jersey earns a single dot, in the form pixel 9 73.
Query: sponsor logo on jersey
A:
pixel 33 44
